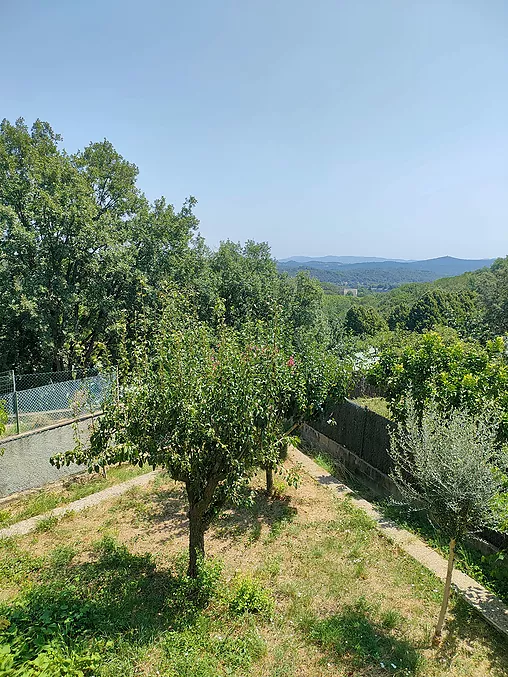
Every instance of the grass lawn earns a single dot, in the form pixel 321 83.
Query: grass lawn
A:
pixel 377 404
pixel 298 586
pixel 491 570
pixel 72 489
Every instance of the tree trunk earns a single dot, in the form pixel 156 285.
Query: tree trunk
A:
pixel 446 595
pixel 269 480
pixel 196 542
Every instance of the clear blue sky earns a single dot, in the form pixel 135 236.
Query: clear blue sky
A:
pixel 347 127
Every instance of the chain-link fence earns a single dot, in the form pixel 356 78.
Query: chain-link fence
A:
pixel 36 400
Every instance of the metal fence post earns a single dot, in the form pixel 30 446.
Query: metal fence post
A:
pixel 117 389
pixel 15 401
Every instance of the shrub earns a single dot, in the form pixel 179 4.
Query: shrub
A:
pixel 249 596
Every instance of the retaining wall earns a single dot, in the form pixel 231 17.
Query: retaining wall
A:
pixel 361 431
pixel 25 461
pixel 360 439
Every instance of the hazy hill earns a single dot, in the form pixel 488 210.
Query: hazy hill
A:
pixel 383 274
pixel 337 259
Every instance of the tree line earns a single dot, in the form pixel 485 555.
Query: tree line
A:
pixel 85 258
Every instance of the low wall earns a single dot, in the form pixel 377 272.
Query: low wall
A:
pixel 360 439
pixel 355 465
pixel 25 461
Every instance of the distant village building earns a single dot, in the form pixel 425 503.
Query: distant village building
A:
pixel 348 291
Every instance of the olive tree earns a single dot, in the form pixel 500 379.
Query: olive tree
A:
pixel 445 465
pixel 195 404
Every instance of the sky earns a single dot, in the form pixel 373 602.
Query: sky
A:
pixel 343 127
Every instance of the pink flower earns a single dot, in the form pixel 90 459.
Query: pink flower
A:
pixel 291 361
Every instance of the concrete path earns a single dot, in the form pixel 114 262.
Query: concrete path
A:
pixel 26 526
pixel 487 604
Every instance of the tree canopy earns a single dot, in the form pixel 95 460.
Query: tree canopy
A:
pixel 449 371
pixel 364 320
pixel 80 245
pixel 209 407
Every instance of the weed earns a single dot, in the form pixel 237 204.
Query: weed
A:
pixel 271 566
pixel 248 596
pixel 391 619
pixel 115 593
pixel 16 564
pixel 279 489
pixel 207 651
pixel 61 557
pixel 355 636
pixel 325 461
pixel 46 524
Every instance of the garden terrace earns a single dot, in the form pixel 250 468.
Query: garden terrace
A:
pixel 299 585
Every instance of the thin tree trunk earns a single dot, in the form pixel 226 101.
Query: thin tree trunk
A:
pixel 196 543
pixel 446 595
pixel 269 480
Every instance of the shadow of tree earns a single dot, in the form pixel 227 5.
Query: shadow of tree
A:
pixel 118 593
pixel 167 508
pixel 248 520
pixel 361 641
pixel 168 503
pixel 463 625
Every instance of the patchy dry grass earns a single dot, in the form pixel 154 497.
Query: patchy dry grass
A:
pixel 72 489
pixel 299 586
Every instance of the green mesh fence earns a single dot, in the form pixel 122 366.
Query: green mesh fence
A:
pixel 36 400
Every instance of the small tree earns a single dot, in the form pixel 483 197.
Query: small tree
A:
pixel 194 405
pixel 444 465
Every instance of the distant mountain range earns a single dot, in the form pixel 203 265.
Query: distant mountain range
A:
pixel 358 271
pixel 339 259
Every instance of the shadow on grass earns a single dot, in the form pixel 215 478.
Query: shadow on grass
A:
pixel 248 520
pixel 118 594
pixel 490 570
pixel 463 625
pixel 356 638
pixel 165 508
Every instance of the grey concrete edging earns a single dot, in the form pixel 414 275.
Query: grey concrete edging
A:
pixel 490 607
pixel 52 426
pixel 26 526
pixel 366 472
